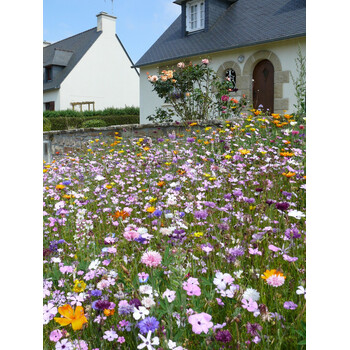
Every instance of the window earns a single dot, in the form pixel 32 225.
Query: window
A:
pixel 230 75
pixel 48 73
pixel 50 106
pixel 195 15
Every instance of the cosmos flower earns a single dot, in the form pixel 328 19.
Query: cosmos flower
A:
pixel 76 318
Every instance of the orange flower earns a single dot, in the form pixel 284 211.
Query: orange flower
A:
pixel 161 183
pixel 76 318
pixel 289 174
pixel 60 187
pixel 108 312
pixel 269 273
pixel 123 214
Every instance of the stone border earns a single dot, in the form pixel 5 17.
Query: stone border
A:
pixel 63 141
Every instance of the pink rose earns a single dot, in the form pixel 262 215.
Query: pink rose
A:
pixel 205 61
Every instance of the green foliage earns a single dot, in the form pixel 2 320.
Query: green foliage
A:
pixel 94 123
pixel 299 83
pixel 46 124
pixel 195 92
pixel 65 123
pixel 161 116
pixel 106 112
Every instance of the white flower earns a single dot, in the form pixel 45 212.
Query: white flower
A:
pixel 141 312
pixel 146 289
pixel 301 291
pixel 171 344
pixel 296 214
pixel 148 302
pixel 170 295
pixel 238 273
pixel 94 264
pixel 293 123
pixel 55 260
pixel 64 344
pixel 99 178
pixel 148 342
pixel 251 293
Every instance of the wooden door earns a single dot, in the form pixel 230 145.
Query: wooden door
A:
pixel 263 85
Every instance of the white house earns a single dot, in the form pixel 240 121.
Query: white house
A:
pixel 256 42
pixel 90 70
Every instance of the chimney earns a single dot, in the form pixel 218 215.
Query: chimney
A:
pixel 106 23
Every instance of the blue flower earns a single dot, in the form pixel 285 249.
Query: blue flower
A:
pixel 148 324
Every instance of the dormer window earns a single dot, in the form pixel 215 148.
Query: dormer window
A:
pixel 195 15
pixel 48 71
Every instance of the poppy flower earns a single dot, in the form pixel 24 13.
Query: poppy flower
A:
pixel 76 318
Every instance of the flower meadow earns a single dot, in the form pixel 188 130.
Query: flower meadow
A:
pixel 195 240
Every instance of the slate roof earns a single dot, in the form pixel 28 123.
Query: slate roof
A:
pixel 67 53
pixel 244 23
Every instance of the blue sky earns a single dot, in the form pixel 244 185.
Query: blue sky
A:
pixel 139 22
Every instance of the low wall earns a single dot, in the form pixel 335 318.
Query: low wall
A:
pixel 64 141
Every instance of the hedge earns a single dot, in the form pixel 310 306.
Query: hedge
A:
pixel 106 112
pixel 65 123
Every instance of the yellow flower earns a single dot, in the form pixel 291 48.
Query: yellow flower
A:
pixel 76 318
pixel 212 178
pixel 79 286
pixel 269 273
pixel 198 234
pixel 244 151
pixel 289 174
pixel 228 156
pixel 108 312
pixel 252 207
pixel 60 187
pixel 153 199
pixel 151 209
pixel 193 124
pixel 207 128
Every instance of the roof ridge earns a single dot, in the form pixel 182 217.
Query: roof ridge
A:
pixel 56 42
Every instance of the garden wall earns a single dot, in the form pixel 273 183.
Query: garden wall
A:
pixel 64 141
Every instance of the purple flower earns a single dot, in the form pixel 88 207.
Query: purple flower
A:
pixel 253 328
pixel 223 336
pixel 289 305
pixel 148 324
pixel 190 139
pixel 282 206
pixel 201 214
pixel 96 293
pixel 157 213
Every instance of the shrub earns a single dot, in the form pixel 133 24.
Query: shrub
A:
pixel 94 123
pixel 195 92
pixel 46 124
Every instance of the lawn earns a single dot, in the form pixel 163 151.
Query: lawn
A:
pixel 191 241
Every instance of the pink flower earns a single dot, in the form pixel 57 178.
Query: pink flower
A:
pixel 200 323
pixel 191 286
pixel 151 258
pixel 205 61
pixel 130 235
pixel 181 65
pixel 255 251
pixel 275 280
pixel 56 335
pixel 289 258
pixel 224 98
pixel 250 305
pixel 274 248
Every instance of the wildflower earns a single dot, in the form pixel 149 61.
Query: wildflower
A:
pixel 200 323
pixel 223 336
pixel 56 335
pixel 251 293
pixel 141 312
pixel 110 335
pixel 143 277
pixel 148 324
pixel 151 258
pixel 191 286
pixel 250 305
pixel 244 151
pixel 80 345
pixel 50 310
pixel 151 209
pixel 79 286
pixel 274 278
pixel 64 344
pixel 170 295
pixel 222 279
pixel 147 341
pixel 289 305
pixel 253 328
pixel 76 318
pixel 296 214
pixel 289 174
pixel 301 291
pixel 282 206
pixel 198 234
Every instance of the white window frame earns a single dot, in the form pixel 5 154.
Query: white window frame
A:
pixel 198 18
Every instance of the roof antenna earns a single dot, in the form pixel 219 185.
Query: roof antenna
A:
pixel 112 6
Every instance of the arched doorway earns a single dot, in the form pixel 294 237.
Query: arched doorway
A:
pixel 263 85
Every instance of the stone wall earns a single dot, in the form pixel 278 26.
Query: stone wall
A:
pixel 64 141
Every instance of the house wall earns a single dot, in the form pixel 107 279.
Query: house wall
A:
pixel 282 55
pixel 53 95
pixel 103 75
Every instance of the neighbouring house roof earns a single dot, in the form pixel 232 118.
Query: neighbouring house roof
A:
pixel 244 23
pixel 67 53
